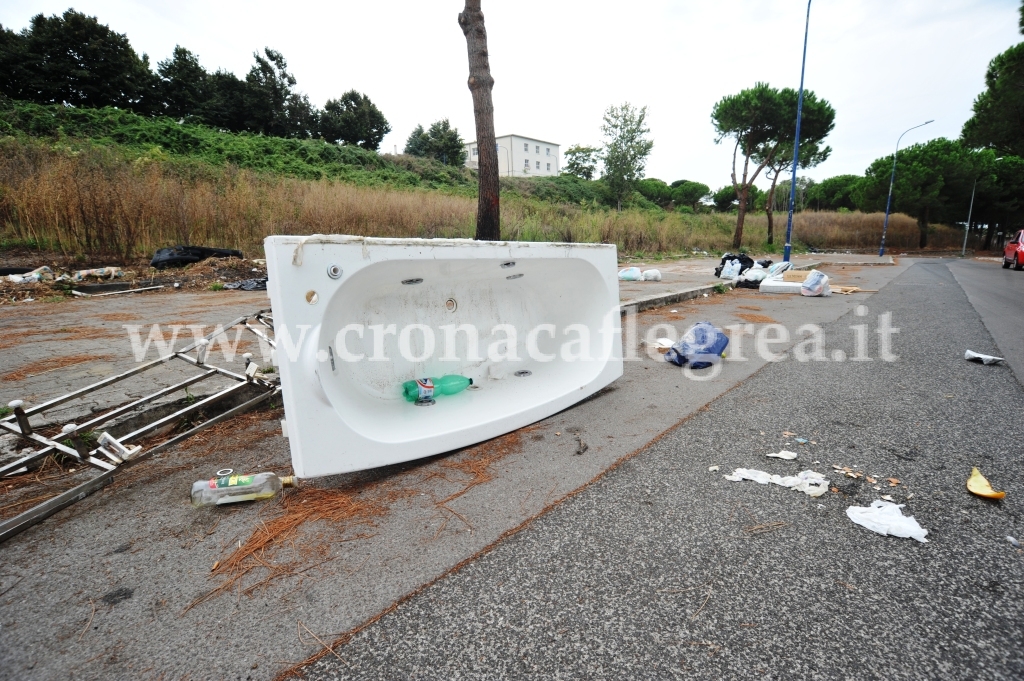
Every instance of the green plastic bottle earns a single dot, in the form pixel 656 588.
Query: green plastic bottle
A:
pixel 429 388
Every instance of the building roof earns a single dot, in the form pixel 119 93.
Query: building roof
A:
pixel 522 136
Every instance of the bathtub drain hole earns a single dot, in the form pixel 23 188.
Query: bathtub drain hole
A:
pixel 451 305
pixel 334 272
pixel 429 402
pixel 410 282
pixel 312 298
pixel 523 373
pixel 508 264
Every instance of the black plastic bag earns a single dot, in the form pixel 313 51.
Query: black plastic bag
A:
pixel 179 256
pixel 248 285
pixel 746 262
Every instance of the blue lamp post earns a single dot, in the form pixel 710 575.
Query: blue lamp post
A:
pixel 796 145
pixel 892 180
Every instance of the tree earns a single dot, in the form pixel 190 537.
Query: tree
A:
pixel 655 191
pixel 725 199
pixel 353 119
pixel 417 143
pixel 76 60
pixel 581 161
pixel 835 193
pixel 225 104
pixel 761 120
pixel 998 120
pixel 626 148
pixel 686 193
pixel 810 155
pixel 268 88
pixel 933 182
pixel 488 214
pixel 183 84
pixel 441 142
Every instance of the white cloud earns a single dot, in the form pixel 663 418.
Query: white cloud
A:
pixel 884 65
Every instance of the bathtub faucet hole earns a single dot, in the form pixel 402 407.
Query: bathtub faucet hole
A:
pixel 514 276
pixel 523 373
pixel 312 298
pixel 428 402
pixel 451 305
pixel 411 282
pixel 334 272
pixel 506 265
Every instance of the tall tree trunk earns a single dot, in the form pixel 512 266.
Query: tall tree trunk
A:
pixel 770 210
pixel 737 238
pixel 922 226
pixel 488 214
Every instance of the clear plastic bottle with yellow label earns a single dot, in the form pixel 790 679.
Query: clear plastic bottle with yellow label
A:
pixel 230 489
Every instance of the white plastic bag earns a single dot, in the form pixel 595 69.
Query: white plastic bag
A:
pixel 816 284
pixel 630 274
pixel 651 275
pixel 754 274
pixel 731 269
pixel 886 518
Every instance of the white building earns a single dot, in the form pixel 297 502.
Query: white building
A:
pixel 520 156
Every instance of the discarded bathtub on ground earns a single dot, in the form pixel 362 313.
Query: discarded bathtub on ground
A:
pixel 535 325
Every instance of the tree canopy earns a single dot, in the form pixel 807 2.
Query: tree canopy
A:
pixel 353 119
pixel 762 120
pixel 581 161
pixel 998 120
pixel 75 60
pixel 441 142
pixel 626 148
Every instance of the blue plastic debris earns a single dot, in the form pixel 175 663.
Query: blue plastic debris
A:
pixel 701 346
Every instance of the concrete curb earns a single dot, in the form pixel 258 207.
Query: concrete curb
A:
pixel 662 299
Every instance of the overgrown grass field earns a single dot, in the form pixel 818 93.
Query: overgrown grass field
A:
pixel 104 181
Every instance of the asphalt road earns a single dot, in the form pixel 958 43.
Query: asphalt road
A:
pixel 998 296
pixel 663 569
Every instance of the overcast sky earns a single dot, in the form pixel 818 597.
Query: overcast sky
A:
pixel 885 65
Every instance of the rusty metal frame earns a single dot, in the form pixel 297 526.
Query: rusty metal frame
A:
pixel 111 462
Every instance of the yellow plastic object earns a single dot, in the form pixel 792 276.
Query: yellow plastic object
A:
pixel 978 484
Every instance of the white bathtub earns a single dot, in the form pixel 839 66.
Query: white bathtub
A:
pixel 343 402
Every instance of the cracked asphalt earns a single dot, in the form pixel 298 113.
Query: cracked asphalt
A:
pixel 663 569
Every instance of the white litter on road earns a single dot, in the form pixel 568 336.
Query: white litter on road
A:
pixel 783 455
pixel 886 518
pixel 809 482
pixel 984 359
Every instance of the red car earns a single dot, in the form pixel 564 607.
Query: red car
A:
pixel 1013 254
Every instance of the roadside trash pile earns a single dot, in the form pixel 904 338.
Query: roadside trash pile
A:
pixel 744 272
pixel 44 273
pixel 883 516
pixel 634 274
pixel 179 256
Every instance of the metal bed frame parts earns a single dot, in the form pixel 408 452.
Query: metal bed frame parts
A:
pixel 112 455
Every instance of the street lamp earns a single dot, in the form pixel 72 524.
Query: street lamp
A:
pixel 796 146
pixel 967 228
pixel 508 163
pixel 892 179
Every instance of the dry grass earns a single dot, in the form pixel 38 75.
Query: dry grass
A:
pixel 92 202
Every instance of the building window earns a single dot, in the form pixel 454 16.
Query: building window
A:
pixel 547 151
pixel 538 165
pixel 526 147
pixel 549 167
pixel 526 164
pixel 538 148
pixel 475 151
